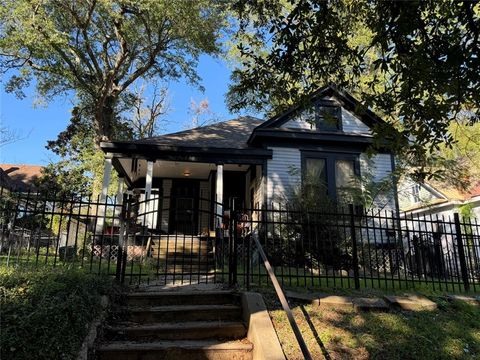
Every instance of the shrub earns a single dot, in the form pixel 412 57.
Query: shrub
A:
pixel 45 313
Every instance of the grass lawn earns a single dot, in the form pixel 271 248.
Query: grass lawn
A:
pixel 451 332
pixel 45 312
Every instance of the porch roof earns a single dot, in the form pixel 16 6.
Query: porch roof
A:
pixel 224 142
pixel 232 134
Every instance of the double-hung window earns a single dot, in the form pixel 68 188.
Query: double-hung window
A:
pixel 330 174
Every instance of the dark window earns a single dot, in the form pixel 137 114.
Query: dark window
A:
pixel 330 173
pixel 328 116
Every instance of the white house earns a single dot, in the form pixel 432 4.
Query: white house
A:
pixel 438 200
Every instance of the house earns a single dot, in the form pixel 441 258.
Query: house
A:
pixel 20 177
pixel 190 176
pixel 438 200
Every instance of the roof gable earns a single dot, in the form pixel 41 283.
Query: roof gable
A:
pixel 345 100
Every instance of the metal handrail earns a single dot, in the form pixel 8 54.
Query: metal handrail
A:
pixel 283 301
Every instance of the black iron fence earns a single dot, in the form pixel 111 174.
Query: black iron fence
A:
pixel 132 238
pixel 168 240
pixel 354 248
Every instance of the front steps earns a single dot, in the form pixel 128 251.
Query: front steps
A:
pixel 177 325
pixel 184 254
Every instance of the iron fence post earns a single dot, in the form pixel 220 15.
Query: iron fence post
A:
pixel 356 274
pixel 248 239
pixel 230 248
pixel 235 242
pixel 120 271
pixel 461 252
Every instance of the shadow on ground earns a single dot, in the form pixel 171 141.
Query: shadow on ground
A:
pixel 451 332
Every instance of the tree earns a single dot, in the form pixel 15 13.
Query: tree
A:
pixel 201 114
pixel 8 135
pixel 415 63
pixel 96 49
pixel 146 114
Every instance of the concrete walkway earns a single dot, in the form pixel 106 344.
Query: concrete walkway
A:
pixel 385 303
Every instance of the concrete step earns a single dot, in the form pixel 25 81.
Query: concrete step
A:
pixel 187 255
pixel 176 350
pixel 181 240
pixel 187 273
pixel 189 260
pixel 182 250
pixel 160 298
pixel 176 331
pixel 168 313
pixel 187 265
pixel 187 269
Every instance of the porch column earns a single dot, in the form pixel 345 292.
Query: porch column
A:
pixel 107 171
pixel 148 193
pixel 219 196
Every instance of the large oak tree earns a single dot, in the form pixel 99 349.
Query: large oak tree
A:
pixel 96 49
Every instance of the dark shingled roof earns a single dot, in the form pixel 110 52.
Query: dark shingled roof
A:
pixel 232 134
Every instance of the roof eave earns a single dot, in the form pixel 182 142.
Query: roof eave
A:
pixel 159 151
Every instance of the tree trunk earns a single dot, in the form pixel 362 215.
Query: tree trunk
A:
pixel 105 120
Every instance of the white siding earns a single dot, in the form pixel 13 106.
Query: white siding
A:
pixel 350 123
pixel 279 172
pixel 379 169
pixel 476 213
pixel 300 122
pixel 406 196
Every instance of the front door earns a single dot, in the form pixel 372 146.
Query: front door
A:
pixel 234 188
pixel 184 207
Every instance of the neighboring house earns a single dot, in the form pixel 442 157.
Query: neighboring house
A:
pixel 21 177
pixel 6 183
pixel 252 161
pixel 438 200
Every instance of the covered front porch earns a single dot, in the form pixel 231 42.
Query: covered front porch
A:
pixel 186 191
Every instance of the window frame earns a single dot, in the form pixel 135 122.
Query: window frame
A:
pixel 330 163
pixel 338 114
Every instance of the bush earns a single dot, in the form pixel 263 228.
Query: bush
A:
pixel 45 313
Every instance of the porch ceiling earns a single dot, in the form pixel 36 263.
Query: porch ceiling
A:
pixel 172 169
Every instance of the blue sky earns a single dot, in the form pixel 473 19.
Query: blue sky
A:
pixel 37 125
